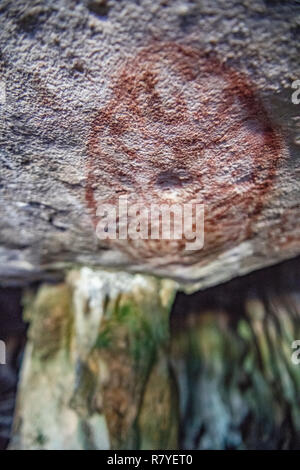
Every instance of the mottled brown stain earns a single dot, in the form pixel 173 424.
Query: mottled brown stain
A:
pixel 179 118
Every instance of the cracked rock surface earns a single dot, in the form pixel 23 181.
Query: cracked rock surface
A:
pixel 67 70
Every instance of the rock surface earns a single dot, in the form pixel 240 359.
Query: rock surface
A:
pixel 160 101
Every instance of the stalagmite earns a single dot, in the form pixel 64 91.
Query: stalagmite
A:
pixel 96 371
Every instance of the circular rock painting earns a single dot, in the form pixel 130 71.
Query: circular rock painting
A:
pixel 180 127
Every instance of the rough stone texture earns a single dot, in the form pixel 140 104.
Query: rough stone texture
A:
pixel 61 64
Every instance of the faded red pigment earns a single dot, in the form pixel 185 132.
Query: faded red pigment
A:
pixel 181 124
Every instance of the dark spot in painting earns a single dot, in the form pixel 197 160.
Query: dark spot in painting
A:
pixel 181 124
pixel 99 8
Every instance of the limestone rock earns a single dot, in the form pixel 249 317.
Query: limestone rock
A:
pixel 97 346
pixel 161 102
